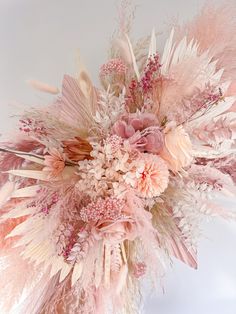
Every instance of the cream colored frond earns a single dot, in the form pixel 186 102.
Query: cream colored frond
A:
pixel 19 211
pixel 32 174
pixel 135 66
pixel 29 191
pixel 77 271
pixel 153 44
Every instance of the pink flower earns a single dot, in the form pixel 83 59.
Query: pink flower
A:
pixel 142 130
pixel 177 149
pixel 109 208
pixel 115 231
pixel 150 176
pixel 112 73
pixel 54 163
pixel 150 140
pixel 133 122
pixel 113 66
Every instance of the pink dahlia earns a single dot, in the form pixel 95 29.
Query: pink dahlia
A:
pixel 150 176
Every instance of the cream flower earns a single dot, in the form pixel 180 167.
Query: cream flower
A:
pixel 177 151
pixel 149 176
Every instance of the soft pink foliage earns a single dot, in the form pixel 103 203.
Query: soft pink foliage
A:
pixel 78 101
pixel 214 29
pixel 213 177
pixel 81 246
pixel 226 165
pixel 10 161
pixel 106 185
pixel 49 203
pixel 217 131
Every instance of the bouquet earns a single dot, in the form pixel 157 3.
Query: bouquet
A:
pixel 102 188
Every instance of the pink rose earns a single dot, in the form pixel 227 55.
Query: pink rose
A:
pixel 142 131
pixel 115 231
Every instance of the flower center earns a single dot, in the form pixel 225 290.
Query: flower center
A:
pixel 144 175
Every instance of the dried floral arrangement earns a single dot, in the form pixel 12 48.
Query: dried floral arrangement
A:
pixel 105 186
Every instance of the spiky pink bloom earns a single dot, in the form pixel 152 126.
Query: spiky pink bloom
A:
pixel 54 163
pixel 150 176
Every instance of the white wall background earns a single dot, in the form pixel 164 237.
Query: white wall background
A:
pixel 40 39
